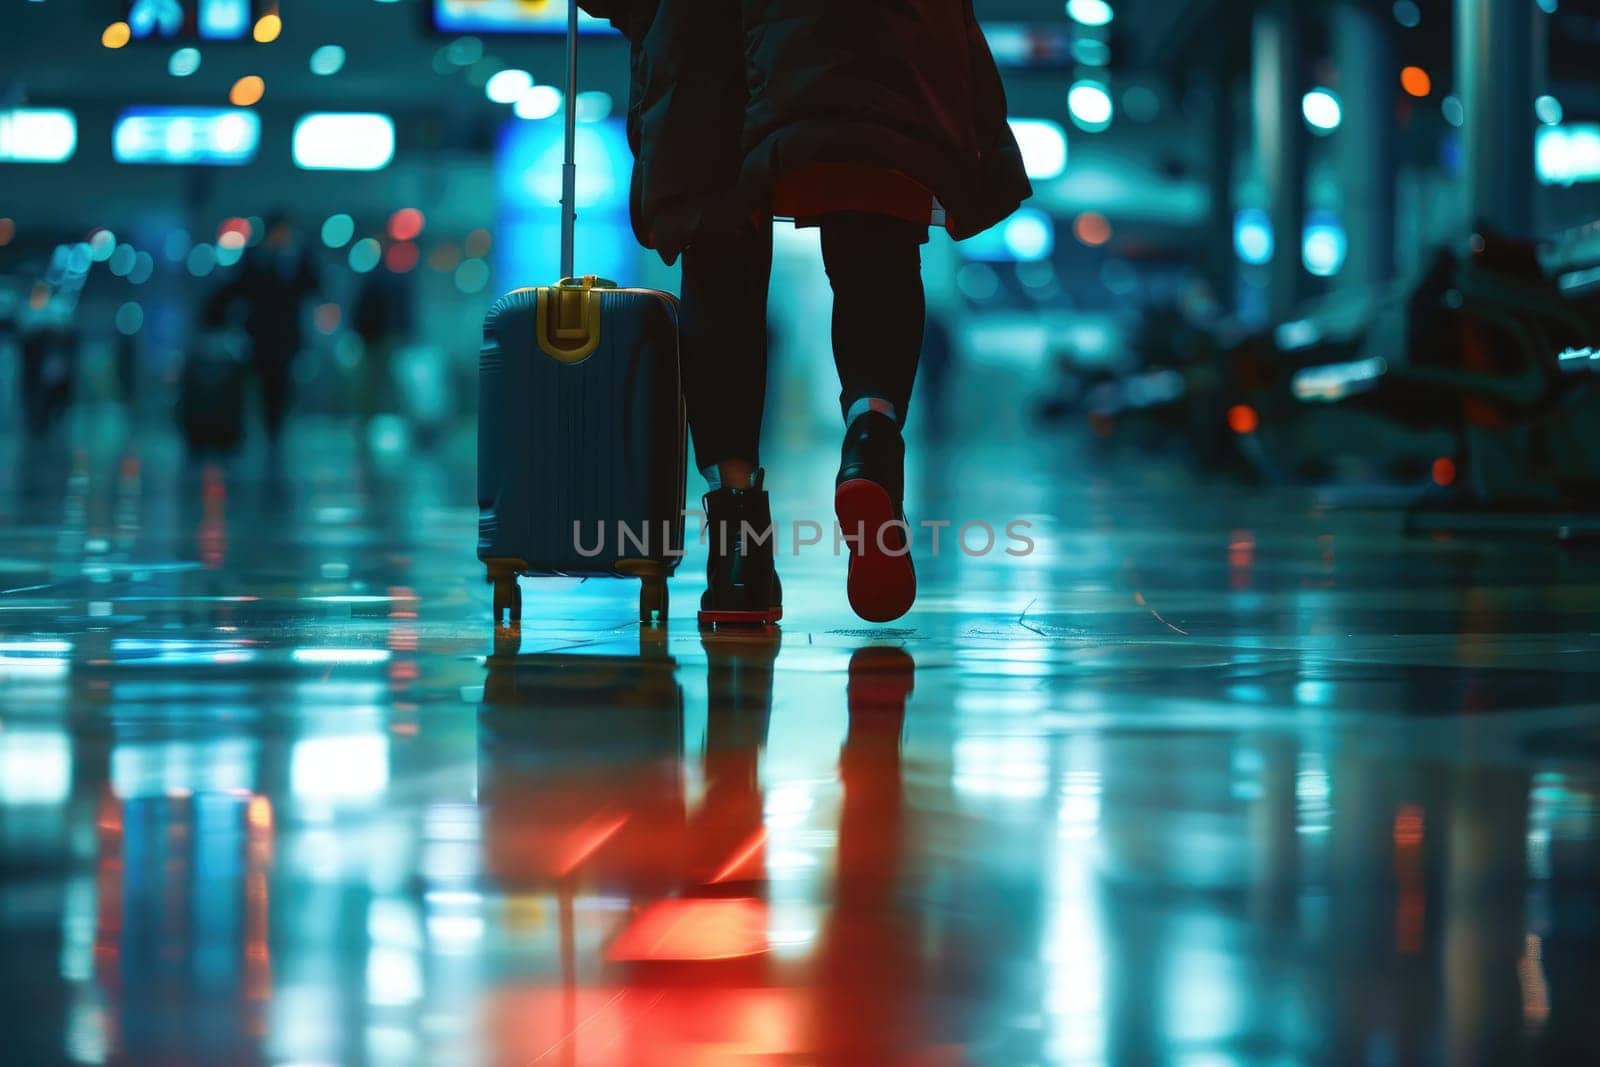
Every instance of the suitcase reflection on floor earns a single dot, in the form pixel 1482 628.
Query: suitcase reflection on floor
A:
pixel 667 928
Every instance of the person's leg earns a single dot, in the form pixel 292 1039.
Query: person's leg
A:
pixel 272 370
pixel 722 329
pixel 874 264
pixel 722 324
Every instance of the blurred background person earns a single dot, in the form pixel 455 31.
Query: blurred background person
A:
pixel 383 320
pixel 273 283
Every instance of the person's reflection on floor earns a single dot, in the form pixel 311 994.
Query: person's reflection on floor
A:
pixel 867 988
pixel 727 834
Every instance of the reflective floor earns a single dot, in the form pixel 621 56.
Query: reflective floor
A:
pixel 1209 777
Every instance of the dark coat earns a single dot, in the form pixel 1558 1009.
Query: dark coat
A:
pixel 730 95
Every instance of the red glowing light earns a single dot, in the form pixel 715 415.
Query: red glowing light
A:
pixel 1415 81
pixel 696 928
pixel 1092 228
pixel 1408 826
pixel 1444 471
pixel 402 258
pixel 586 840
pixel 1242 419
pixel 235 225
pixel 746 862
pixel 327 317
pixel 406 224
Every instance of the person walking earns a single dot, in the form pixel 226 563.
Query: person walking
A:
pixel 272 284
pixel 872 120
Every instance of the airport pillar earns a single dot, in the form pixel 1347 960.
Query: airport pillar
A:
pixel 1494 75
pixel 1368 77
pixel 1280 144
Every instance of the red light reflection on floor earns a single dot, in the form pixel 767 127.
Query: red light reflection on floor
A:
pixel 700 928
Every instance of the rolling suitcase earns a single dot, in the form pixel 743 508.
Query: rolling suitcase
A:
pixel 581 442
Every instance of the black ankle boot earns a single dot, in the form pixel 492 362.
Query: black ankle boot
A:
pixel 867 498
pixel 742 584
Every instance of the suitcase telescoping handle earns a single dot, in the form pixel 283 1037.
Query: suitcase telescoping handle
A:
pixel 569 159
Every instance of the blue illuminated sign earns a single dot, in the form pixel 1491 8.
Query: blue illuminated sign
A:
pixel 215 136
pixel 156 18
pixel 509 16
pixel 528 194
pixel 224 20
pixel 211 20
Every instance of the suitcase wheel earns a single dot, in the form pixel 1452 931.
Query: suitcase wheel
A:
pixel 653 600
pixel 507 600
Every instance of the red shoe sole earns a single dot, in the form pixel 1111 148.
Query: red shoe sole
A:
pixel 881 585
pixel 741 618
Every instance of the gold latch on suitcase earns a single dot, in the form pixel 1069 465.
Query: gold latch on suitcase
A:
pixel 568 317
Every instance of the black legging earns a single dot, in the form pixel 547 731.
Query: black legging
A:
pixel 874 263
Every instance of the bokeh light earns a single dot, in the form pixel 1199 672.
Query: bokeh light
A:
pixel 978 282
pixel 365 254
pixel 464 51
pixel 327 60
pixel 1549 110
pixel 1407 14
pixel 444 258
pixel 1325 244
pixel 327 317
pixel 267 28
pixel 337 230
pixel 1044 147
pixel 594 106
pixel 1029 235
pixel 184 62
pixel 1092 228
pixel 247 91
pixel 1415 81
pixel 478 243
pixel 1242 419
pixel 122 261
pixel 402 257
pixel 539 102
pixel 130 318
pixel 234 231
pixel 116 35
pixel 472 276
pixel 406 224
pixel 1141 104
pixel 1322 110
pixel 1252 236
pixel 101 244
pixel 1090 105
pixel 1091 51
pixel 506 86
pixel 8 231
pixel 1090 12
